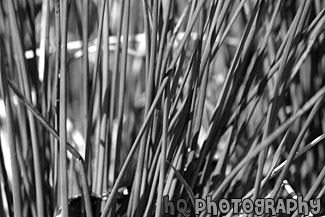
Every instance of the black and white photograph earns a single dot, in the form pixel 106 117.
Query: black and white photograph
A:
pixel 158 108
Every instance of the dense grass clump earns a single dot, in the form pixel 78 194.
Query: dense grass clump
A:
pixel 108 106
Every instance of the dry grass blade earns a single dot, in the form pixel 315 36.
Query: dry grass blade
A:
pixel 27 90
pixel 63 111
pixel 12 146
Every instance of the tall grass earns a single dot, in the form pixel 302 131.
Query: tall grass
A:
pixel 111 105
